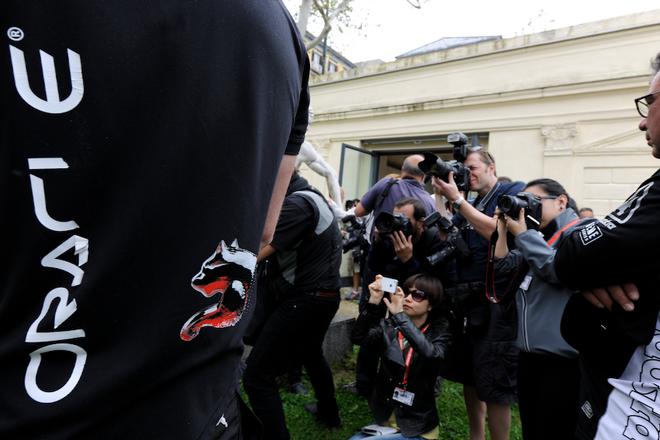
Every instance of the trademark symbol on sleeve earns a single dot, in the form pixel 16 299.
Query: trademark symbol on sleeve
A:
pixel 15 34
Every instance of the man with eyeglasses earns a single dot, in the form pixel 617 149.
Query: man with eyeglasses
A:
pixel 615 322
pixel 484 355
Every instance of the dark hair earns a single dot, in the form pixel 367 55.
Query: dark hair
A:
pixel 655 63
pixel 419 212
pixel 585 209
pixel 429 285
pixel 553 188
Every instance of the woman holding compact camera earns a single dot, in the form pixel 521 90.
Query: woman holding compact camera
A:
pixel 412 343
pixel 548 371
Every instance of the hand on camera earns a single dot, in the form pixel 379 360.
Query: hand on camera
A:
pixel 516 226
pixel 403 245
pixel 376 291
pixel 605 297
pixel 501 221
pixel 447 189
pixel 395 303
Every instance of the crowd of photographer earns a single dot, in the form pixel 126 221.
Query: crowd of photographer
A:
pixel 477 285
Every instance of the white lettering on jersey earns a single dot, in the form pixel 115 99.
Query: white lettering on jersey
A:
pixel 42 396
pixel 590 233
pixel 65 309
pixel 633 406
pixel 624 212
pixel 52 104
pixel 80 246
pixel 63 312
pixel 39 195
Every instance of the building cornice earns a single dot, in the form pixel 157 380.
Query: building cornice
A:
pixel 597 86
pixel 581 31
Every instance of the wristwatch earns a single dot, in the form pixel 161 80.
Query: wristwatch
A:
pixel 456 204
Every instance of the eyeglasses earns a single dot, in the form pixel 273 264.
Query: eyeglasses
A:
pixel 417 295
pixel 644 102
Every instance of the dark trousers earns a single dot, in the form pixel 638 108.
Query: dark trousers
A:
pixel 368 359
pixel 293 334
pixel 548 396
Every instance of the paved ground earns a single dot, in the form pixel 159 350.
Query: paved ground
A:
pixel 347 309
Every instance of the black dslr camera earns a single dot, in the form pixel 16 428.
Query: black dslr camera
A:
pixel 455 246
pixel 432 165
pixel 511 206
pixel 355 233
pixel 388 223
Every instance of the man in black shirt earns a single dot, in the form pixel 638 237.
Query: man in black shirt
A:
pixel 304 276
pixel 126 129
pixel 615 324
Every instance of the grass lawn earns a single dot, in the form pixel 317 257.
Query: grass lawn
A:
pixel 355 412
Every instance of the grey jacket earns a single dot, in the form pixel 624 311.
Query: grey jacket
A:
pixel 540 298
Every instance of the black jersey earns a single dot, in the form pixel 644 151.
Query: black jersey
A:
pixel 139 144
pixel 618 349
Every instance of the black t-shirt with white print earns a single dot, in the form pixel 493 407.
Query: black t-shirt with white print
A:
pixel 619 350
pixel 139 145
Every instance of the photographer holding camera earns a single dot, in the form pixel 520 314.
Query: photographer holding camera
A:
pixel 484 354
pixel 400 248
pixel 411 344
pixel 402 243
pixel 548 371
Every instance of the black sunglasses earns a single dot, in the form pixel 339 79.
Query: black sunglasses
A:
pixel 643 103
pixel 417 295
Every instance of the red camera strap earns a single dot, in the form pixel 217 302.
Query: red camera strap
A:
pixel 557 234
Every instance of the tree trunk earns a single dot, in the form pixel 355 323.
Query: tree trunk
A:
pixel 303 16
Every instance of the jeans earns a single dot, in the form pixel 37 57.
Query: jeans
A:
pixel 292 335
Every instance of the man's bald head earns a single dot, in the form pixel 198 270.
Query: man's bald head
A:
pixel 410 167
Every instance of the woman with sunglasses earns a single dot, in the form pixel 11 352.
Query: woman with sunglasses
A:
pixel 412 343
pixel 548 372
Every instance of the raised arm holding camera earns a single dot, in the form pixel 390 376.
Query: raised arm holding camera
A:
pixel 403 243
pixel 411 345
pixel 548 371
pixel 484 355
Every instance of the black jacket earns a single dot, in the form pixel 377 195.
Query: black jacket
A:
pixel 429 351
pixel 382 258
pixel 621 248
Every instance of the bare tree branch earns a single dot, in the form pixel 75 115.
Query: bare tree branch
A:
pixel 328 18
pixel 415 4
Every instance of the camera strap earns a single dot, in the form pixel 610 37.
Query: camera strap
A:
pixel 557 234
pixel 491 294
pixel 408 360
pixel 490 291
pixel 481 206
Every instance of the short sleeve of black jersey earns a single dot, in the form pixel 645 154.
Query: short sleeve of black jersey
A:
pixel 297 136
pixel 616 249
pixel 295 221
